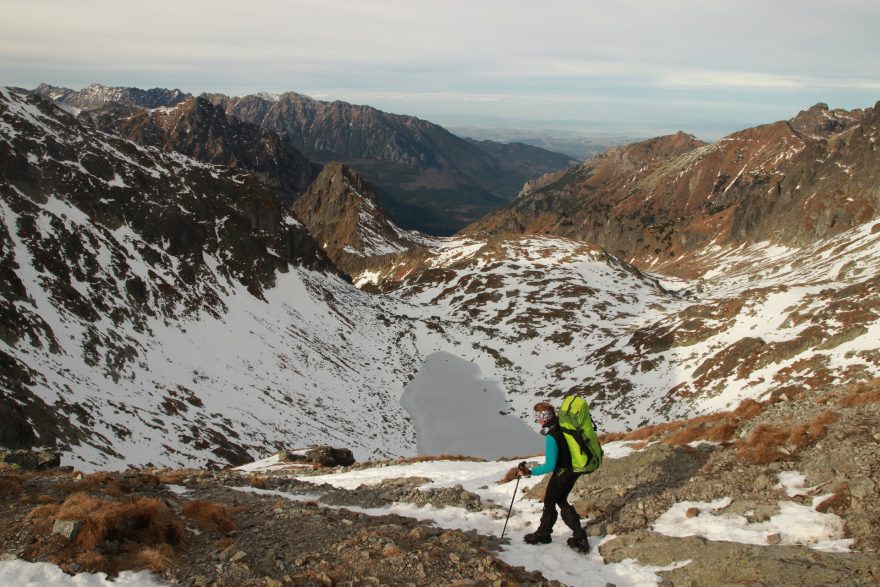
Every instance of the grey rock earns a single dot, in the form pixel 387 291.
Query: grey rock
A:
pixel 862 487
pixel 761 483
pixel 67 528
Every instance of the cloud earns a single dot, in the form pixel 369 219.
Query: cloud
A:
pixel 586 53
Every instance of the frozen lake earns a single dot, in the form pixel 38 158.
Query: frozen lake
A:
pixel 457 411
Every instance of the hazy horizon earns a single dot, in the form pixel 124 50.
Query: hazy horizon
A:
pixel 626 68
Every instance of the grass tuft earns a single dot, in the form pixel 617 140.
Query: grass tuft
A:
pixel 10 485
pixel 141 520
pixel 209 516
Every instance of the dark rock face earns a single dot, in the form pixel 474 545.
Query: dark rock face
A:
pixel 194 127
pixel 119 234
pixel 658 201
pixel 345 215
pixel 32 460
pixel 330 457
pixel 434 181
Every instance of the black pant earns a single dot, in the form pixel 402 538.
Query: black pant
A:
pixel 560 485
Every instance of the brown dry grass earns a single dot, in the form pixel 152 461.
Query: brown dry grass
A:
pixel 257 481
pixel 428 458
pixel 859 399
pixel 718 427
pixel 510 475
pixel 209 516
pixel 764 443
pixel 10 485
pixel 837 499
pixel 155 558
pixel 91 561
pixel 43 517
pixel 141 520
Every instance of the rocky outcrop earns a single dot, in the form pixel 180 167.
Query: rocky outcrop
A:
pixel 196 128
pixel 96 96
pixel 120 235
pixel 29 460
pixel 659 201
pixel 345 215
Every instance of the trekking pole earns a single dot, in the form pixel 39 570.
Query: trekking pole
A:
pixel 510 509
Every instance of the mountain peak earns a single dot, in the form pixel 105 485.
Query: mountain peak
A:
pixel 346 216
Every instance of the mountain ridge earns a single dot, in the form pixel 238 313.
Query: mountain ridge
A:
pixel 753 185
pixel 427 177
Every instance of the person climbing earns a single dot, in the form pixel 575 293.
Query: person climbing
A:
pixel 557 459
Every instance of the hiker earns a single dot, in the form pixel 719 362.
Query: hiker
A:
pixel 557 459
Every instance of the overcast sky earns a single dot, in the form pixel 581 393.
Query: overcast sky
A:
pixel 617 66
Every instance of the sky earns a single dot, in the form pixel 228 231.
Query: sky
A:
pixel 616 67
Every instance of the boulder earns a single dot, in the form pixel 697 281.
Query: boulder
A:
pixel 30 460
pixel 330 457
pixel 67 528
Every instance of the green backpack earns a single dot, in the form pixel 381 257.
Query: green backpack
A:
pixel 580 434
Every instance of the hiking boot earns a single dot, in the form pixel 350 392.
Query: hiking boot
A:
pixel 538 538
pixel 580 543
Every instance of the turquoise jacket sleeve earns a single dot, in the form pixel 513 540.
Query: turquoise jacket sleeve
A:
pixel 551 453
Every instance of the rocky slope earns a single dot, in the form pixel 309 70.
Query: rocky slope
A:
pixel 657 202
pixel 127 274
pixel 345 215
pixel 194 127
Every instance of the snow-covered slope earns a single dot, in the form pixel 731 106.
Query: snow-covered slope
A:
pixel 157 309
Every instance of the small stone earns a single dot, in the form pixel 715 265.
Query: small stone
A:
pixel 8 556
pixel 692 512
pixel 420 569
pixel 237 556
pixel 774 538
pixel 390 550
pixel 270 582
pixel 67 528
pixel 597 530
pixel 877 437
pixel 454 557
pixel 761 483
pixel 611 529
pixel 200 581
pixel 228 552
pixel 763 513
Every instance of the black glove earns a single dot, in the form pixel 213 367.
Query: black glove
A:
pixel 524 469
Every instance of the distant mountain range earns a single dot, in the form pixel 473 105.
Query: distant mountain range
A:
pixel 428 178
